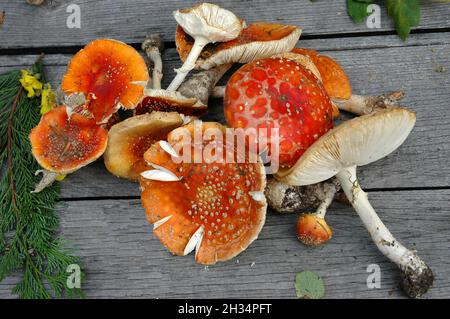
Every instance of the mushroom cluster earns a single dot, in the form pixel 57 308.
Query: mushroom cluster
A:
pixel 210 204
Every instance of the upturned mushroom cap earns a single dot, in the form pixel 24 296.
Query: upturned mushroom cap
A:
pixel 169 101
pixel 356 142
pixel 128 141
pixel 333 77
pixel 110 74
pixel 218 209
pixel 209 21
pixel 257 41
pixel 62 145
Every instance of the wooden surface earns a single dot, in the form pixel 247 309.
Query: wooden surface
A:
pixel 102 217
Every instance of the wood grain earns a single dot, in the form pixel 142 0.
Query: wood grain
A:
pixel 123 259
pixel 421 162
pixel 45 26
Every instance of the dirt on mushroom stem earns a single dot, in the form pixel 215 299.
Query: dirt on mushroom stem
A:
pixel 153 46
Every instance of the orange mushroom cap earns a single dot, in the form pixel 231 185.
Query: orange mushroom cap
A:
pixel 334 79
pixel 63 145
pixel 222 203
pixel 257 33
pixel 313 230
pixel 111 73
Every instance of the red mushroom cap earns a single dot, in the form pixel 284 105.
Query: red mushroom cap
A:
pixel 110 73
pixel 63 145
pixel 218 208
pixel 279 93
pixel 313 230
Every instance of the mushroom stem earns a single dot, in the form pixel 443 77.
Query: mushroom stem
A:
pixel 188 64
pixel 285 198
pixel 48 178
pixel 200 85
pixel 330 191
pixel 153 46
pixel 366 104
pixel 417 276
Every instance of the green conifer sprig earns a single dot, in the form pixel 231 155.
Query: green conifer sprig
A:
pixel 28 222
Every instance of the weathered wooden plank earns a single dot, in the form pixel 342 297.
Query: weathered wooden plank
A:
pixel 123 259
pixel 420 162
pixel 30 26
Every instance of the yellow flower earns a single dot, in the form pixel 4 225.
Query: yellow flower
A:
pixel 48 99
pixel 60 177
pixel 31 83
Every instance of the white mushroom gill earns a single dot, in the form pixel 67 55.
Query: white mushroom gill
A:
pixel 161 221
pixel 194 241
pixel 159 175
pixel 168 148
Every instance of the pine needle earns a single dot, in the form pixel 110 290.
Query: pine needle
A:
pixel 28 222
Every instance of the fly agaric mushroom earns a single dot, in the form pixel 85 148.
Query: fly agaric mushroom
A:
pixel 258 40
pixel 206 23
pixel 129 139
pixel 153 46
pixel 279 92
pixel 110 74
pixel 62 145
pixel 213 206
pixel 312 230
pixel 358 142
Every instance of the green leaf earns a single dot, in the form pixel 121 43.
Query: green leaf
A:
pixel 405 13
pixel 357 9
pixel 308 285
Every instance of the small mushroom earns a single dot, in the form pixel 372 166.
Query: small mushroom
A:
pixel 129 139
pixel 358 142
pixel 312 229
pixel 153 46
pixel 279 92
pixel 206 23
pixel 110 74
pixel 257 41
pixel 62 145
pixel 214 207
